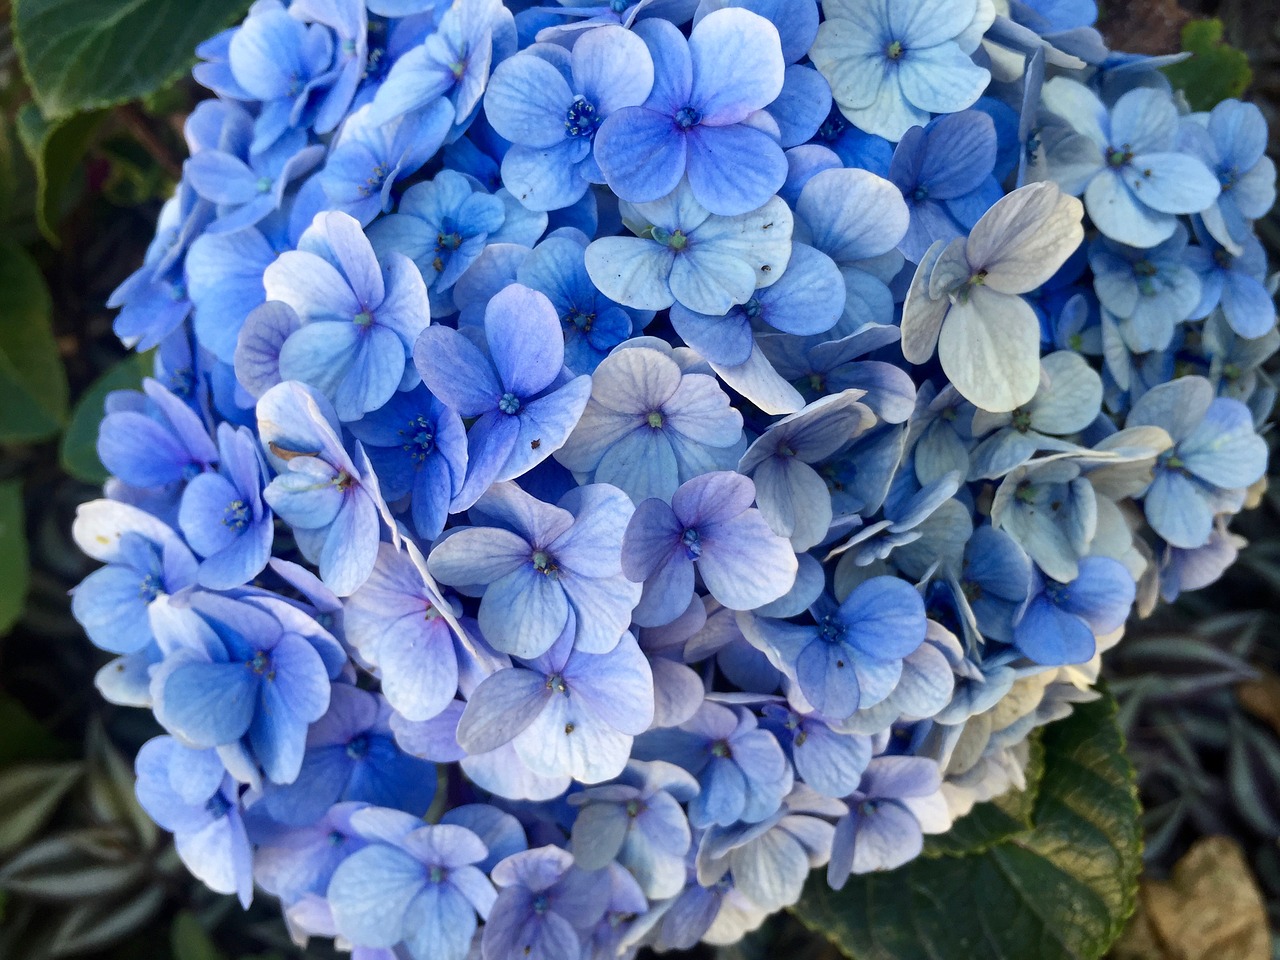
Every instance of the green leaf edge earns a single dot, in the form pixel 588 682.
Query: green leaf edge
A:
pixel 1131 855
pixel 91 104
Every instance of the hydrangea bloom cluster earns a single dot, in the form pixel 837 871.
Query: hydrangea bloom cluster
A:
pixel 605 461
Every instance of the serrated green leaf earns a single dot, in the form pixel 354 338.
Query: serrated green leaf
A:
pixel 1060 891
pixel 86 54
pixel 29 795
pixel 79 450
pixel 189 940
pixel 32 379
pixel 14 565
pixel 989 823
pixel 1215 72
pixel 55 148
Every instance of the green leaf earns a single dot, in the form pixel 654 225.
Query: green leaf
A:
pixel 22 738
pixel 99 923
pixel 190 941
pixel 86 54
pixel 989 823
pixel 109 789
pixel 14 568
pixel 32 379
pixel 79 450
pixel 28 797
pixel 77 865
pixel 1216 71
pixel 1060 891
pixel 55 148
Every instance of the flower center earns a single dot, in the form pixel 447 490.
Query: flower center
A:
pixel 556 684
pixel 260 663
pixel 419 441
pixel 753 308
pixel 894 50
pixel 264 184
pixel 830 629
pixel 1022 420
pixel 656 419
pixel 437 874
pixel 721 749
pixel 546 565
pixel 675 239
pixel 692 543
pixel 236 515
pixel 363 319
pixel 580 319
pixel 582 119
pixel 1119 158
pixel 687 117
pixel 373 183
pixel 633 808
pixel 509 404
pixel 833 126
pixel 150 587
pixel 358 747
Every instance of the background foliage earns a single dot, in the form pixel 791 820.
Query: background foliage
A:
pixel 92 98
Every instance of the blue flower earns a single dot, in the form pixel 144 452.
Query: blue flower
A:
pixel 550 107
pixel 224 280
pixel 442 226
pixel 1231 140
pixel 639 822
pixel 1234 283
pixel 452 62
pixel 413 884
pixel 1149 291
pixel 708 526
pixel 237 671
pixel 566 712
pixel 741 769
pixel 993 584
pixel 1061 620
pixel 188 793
pixel 367 160
pixel 1124 162
pixel 546 569
pixel 360 316
pixel 684 254
pixel 332 504
pixel 418 448
pixel 792 497
pixel 704 88
pixel 1216 455
pixel 649 426
pixel 296 863
pixel 145 561
pixel 896 802
pixel 223 516
pixel 891 64
pixel 523 405
pixel 593 324
pixel 965 299
pixel 246 191
pixel 850 658
pixel 771 860
pixel 545 907
pixel 395 623
pixel 351 756
pixel 807 300
pixel 944 172
pixel 827 760
pixel 156 442
pixel 1051 510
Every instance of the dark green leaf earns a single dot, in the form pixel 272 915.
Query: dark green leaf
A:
pixel 99 923
pixel 190 941
pixel 110 789
pixel 86 54
pixel 1061 891
pixel 79 451
pixel 29 795
pixel 32 380
pixel 1215 72
pixel 989 823
pixel 55 148
pixel 71 867
pixel 22 737
pixel 14 569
